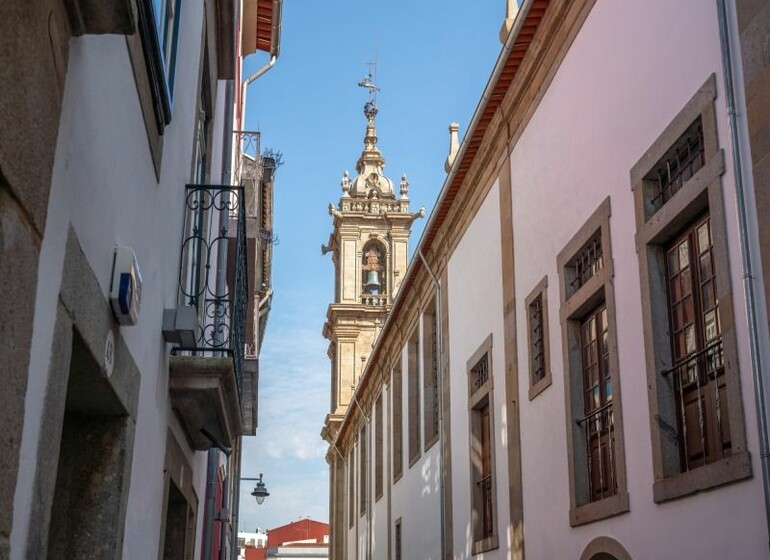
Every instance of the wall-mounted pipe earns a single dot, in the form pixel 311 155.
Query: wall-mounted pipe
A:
pixel 748 273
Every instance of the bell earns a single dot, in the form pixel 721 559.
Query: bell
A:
pixel 372 285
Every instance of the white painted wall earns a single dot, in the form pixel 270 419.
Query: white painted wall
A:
pixel 104 186
pixel 630 70
pixel 379 520
pixel 415 497
pixel 475 311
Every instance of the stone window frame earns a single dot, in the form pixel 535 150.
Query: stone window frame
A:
pixel 398 538
pixel 701 193
pixel 176 474
pixel 604 547
pixel 430 373
pixel 475 397
pixel 147 61
pixel 414 408
pixel 397 419
pixel 539 291
pixel 378 444
pixel 363 467
pixel 596 289
pixel 351 488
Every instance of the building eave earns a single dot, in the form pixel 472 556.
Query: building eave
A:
pixel 261 27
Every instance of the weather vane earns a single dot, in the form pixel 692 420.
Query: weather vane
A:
pixel 368 83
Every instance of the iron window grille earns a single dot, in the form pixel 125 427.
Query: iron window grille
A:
pixel 585 264
pixel 479 374
pixel 537 339
pixel 677 166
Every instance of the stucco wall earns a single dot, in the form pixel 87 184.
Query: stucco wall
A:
pixel 628 73
pixel 475 312
pixel 104 186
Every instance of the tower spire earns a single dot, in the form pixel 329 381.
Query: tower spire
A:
pixel 371 180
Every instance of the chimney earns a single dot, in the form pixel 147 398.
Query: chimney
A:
pixel 511 9
pixel 454 146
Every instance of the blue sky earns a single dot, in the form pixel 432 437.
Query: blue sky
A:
pixel 434 60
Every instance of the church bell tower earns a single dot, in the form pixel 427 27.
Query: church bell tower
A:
pixel 369 246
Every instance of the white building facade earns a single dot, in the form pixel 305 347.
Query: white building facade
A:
pixel 108 456
pixel 569 368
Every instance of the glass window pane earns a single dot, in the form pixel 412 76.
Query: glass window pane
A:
pixel 684 254
pixel 704 237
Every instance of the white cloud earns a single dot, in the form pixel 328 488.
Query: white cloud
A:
pixel 293 402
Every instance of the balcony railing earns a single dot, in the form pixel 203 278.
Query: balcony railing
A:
pixel 486 523
pixel 213 276
pixel 699 384
pixel 598 428
pixel 248 167
pixel 374 299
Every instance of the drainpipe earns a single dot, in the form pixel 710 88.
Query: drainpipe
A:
pixel 236 499
pixel 211 490
pixel 440 381
pixel 245 85
pixel 748 273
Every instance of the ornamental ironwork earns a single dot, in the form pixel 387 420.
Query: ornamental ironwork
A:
pixel 213 276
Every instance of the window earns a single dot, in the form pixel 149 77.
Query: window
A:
pixel 696 412
pixel 413 371
pixel 536 305
pixel 378 447
pixel 363 465
pixel 398 428
pixel 594 429
pixel 430 375
pixel 203 122
pixel 167 29
pixel 696 344
pixel 158 22
pixel 397 538
pixel 483 487
pixel 597 401
pixel 351 489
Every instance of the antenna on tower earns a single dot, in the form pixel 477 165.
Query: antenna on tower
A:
pixel 369 82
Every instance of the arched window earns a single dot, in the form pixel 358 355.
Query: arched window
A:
pixel 373 269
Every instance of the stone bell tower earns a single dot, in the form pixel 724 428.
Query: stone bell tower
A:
pixel 369 250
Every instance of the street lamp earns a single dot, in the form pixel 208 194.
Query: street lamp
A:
pixel 260 490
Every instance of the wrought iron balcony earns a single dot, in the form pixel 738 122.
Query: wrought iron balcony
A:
pixel 206 379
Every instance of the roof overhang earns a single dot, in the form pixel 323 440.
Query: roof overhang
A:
pixel 261 27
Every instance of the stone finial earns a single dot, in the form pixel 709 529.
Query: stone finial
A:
pixel 345 184
pixel 454 146
pixel 404 186
pixel 511 9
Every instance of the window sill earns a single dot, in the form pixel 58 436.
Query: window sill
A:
pixel 540 386
pixel 484 545
pixel 596 511
pixel 732 469
pixel 430 443
pixel 414 459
